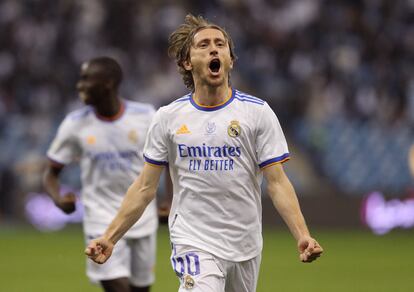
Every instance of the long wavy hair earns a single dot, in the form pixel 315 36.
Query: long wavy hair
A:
pixel 181 39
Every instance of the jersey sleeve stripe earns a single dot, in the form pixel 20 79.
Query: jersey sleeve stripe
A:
pixel 154 165
pixel 279 159
pixel 155 162
pixel 180 100
pixel 248 100
pixel 238 94
pixel 183 98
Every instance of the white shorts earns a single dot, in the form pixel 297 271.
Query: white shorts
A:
pixel 200 271
pixel 132 258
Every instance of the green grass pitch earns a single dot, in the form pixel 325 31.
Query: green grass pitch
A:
pixel 353 261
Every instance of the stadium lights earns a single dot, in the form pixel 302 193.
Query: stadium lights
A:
pixel 42 213
pixel 382 216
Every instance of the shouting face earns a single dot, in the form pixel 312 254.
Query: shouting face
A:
pixel 210 61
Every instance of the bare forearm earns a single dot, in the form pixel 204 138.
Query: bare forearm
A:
pixel 136 200
pixel 285 201
pixel 51 184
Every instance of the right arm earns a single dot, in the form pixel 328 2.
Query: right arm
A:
pixel 139 195
pixel 286 203
pixel 63 150
pixel 166 201
pixel 51 183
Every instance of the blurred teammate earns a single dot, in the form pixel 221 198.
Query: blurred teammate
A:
pixel 218 143
pixel 107 137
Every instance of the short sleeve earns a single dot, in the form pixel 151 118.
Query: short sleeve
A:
pixel 271 146
pixel 64 148
pixel 156 147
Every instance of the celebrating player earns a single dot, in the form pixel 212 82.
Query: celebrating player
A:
pixel 218 142
pixel 107 136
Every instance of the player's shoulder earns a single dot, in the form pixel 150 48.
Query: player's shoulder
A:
pixel 176 104
pixel 135 107
pixel 76 118
pixel 79 114
pixel 248 99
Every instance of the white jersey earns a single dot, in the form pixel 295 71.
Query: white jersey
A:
pixel 111 157
pixel 215 156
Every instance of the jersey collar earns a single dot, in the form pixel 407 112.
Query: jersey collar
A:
pixel 213 107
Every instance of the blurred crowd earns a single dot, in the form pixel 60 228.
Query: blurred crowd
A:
pixel 311 60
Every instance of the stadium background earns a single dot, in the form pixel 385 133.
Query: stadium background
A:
pixel 339 75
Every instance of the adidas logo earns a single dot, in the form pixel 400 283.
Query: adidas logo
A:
pixel 183 130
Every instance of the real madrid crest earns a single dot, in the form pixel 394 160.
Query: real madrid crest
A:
pixel 188 282
pixel 234 129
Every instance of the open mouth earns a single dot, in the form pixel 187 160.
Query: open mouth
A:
pixel 214 65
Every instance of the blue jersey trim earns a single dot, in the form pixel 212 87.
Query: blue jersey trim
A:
pixel 274 160
pixel 149 160
pixel 247 96
pixel 183 98
pixel 251 101
pixel 213 108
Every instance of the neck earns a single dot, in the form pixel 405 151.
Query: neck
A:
pixel 211 96
pixel 109 108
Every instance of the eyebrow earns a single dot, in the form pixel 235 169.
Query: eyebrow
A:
pixel 217 39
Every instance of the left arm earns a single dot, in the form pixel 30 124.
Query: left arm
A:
pixel 164 205
pixel 286 203
pixel 138 196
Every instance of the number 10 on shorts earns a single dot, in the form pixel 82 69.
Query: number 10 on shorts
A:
pixel 188 264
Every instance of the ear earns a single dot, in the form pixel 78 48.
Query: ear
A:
pixel 187 65
pixel 231 64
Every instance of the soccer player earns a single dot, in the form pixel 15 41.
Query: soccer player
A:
pixel 107 137
pixel 218 143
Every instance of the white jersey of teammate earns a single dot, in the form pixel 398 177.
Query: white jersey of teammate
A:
pixel 215 155
pixel 110 156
